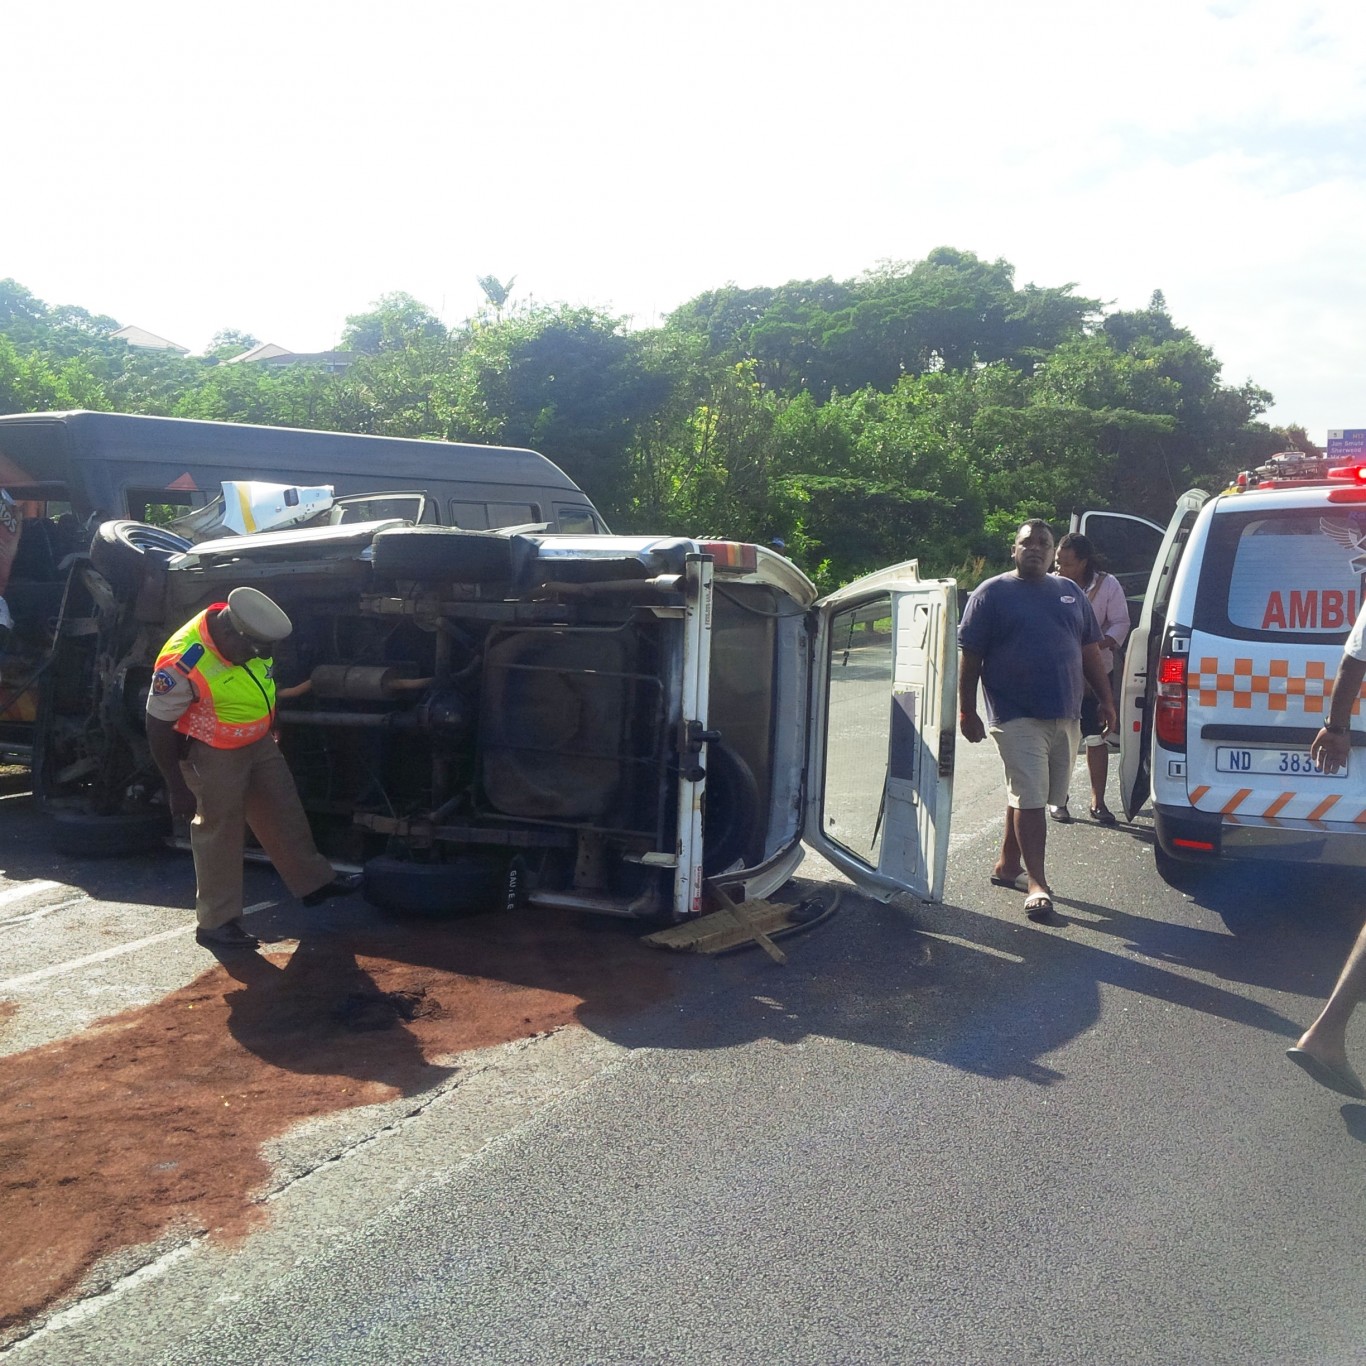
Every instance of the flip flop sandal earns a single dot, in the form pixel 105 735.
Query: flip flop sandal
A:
pixel 1039 906
pixel 1013 883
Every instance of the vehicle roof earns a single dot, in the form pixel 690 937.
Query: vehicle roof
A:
pixel 1292 495
pixel 180 440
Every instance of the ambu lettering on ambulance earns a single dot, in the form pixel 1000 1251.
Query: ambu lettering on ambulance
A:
pixel 1328 609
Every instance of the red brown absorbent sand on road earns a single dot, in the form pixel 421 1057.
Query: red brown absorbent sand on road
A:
pixel 155 1119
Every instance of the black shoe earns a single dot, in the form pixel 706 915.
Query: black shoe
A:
pixel 1061 814
pixel 229 936
pixel 344 884
pixel 1102 815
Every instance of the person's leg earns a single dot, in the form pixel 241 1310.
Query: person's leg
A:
pixel 218 779
pixel 1090 724
pixel 1326 1038
pixel 1097 755
pixel 1031 837
pixel 1010 864
pixel 1052 757
pixel 1098 764
pixel 1024 749
pixel 277 819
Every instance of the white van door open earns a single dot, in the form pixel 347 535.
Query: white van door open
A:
pixel 1126 544
pixel 1140 656
pixel 880 748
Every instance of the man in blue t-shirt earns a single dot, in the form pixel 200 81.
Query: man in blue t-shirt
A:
pixel 1030 637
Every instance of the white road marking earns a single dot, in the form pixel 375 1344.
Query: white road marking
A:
pixel 42 911
pixel 20 890
pixel 118 951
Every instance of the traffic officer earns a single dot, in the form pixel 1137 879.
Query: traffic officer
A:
pixel 210 724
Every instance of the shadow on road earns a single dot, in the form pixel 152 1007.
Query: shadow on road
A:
pixel 1354 1118
pixel 149 877
pixel 1292 922
pixel 990 996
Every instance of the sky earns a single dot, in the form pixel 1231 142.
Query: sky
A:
pixel 274 167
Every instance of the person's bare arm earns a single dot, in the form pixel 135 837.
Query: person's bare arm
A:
pixel 164 741
pixel 969 673
pixel 1328 750
pixel 1099 680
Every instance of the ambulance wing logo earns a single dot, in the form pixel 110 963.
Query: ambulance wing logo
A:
pixel 1344 534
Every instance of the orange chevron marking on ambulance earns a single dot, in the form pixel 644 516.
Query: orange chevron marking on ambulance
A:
pixel 1245 686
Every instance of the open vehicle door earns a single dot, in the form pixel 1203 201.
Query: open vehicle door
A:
pixel 1128 544
pixel 879 771
pixel 1140 659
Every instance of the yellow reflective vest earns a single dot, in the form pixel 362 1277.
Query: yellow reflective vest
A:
pixel 234 703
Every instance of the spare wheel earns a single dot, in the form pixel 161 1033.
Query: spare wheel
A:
pixel 443 554
pixel 121 550
pixel 470 884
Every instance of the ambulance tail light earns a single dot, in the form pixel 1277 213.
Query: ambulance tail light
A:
pixel 1169 719
pixel 736 555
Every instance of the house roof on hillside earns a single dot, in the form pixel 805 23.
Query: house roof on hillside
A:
pixel 261 351
pixel 148 341
pixel 268 353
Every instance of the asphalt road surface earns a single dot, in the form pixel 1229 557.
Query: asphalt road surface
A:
pixel 938 1134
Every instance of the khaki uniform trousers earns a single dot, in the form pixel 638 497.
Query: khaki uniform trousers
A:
pixel 234 788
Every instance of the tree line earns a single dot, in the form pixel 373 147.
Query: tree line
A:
pixel 922 409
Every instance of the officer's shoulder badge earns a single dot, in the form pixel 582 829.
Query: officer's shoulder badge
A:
pixel 162 682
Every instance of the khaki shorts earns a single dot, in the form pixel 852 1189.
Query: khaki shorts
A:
pixel 1038 758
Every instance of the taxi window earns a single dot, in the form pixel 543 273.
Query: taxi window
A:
pixel 490 516
pixel 1292 575
pixel 409 506
pixel 512 514
pixel 471 516
pixel 575 521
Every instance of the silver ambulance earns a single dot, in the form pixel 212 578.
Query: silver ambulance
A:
pixel 1228 673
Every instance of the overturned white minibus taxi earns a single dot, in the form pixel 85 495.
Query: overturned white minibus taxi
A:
pixel 599 723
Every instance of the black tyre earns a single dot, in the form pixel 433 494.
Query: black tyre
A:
pixel 438 554
pixel 121 550
pixel 472 884
pixel 730 820
pixel 79 834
